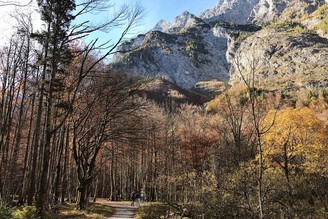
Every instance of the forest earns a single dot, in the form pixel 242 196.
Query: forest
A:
pixel 73 130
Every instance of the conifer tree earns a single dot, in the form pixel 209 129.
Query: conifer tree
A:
pixel 57 16
pixel 54 104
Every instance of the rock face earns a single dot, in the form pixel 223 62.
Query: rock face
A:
pixel 259 12
pixel 289 61
pixel 191 49
pixel 184 21
pixel 234 11
pixel 290 55
pixel 185 57
pixel 268 10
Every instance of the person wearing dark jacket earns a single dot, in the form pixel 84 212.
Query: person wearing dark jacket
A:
pixel 132 198
pixel 137 198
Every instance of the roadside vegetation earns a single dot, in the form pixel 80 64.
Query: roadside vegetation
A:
pixel 73 130
pixel 94 211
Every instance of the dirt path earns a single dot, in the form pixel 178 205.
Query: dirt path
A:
pixel 122 210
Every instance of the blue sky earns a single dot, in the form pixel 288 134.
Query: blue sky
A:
pixel 155 10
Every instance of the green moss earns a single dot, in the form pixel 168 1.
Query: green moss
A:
pixel 190 46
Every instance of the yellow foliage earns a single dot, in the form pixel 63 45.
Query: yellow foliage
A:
pixel 322 10
pixel 234 96
pixel 298 134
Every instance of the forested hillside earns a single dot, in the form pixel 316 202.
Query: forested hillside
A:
pixel 73 129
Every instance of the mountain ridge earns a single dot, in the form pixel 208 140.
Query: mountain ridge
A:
pixel 191 49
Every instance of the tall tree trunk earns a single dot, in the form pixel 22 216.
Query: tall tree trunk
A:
pixel 82 195
pixel 64 183
pixel 37 134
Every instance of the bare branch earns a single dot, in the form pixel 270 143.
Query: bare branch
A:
pixel 9 3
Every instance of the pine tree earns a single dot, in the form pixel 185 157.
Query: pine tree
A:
pixel 57 15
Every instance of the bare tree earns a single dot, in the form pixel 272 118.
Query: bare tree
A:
pixel 248 68
pixel 14 3
pixel 101 116
pixel 56 39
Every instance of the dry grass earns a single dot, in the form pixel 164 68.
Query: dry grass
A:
pixel 151 210
pixel 93 211
pixel 213 86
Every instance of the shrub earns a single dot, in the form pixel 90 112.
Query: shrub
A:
pixel 324 94
pixel 153 210
pixel 312 95
pixel 300 29
pixel 288 26
pixel 323 25
pixel 322 10
pixel 27 212
pixel 244 35
pixel 281 25
pixel 5 211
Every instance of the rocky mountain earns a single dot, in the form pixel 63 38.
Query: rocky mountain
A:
pixel 191 49
pixel 184 21
pixel 233 11
pixel 259 12
pixel 185 57
pixel 292 60
pixel 289 55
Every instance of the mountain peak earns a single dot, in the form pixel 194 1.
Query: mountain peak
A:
pixel 162 26
pixel 185 20
pixel 191 49
pixel 186 13
pixel 252 11
pixel 234 11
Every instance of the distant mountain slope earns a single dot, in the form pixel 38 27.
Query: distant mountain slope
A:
pixel 185 57
pixel 191 49
pixel 184 21
pixel 286 57
pixel 234 11
pixel 165 92
pixel 290 55
pixel 260 12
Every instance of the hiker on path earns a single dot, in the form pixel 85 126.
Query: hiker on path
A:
pixel 132 198
pixel 142 196
pixel 137 196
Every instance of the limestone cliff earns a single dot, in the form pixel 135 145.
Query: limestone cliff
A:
pixel 190 49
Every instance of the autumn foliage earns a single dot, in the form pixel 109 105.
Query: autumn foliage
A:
pixel 73 130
